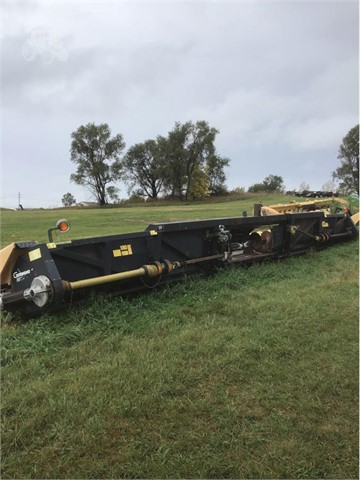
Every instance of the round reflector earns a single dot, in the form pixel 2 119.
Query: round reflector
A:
pixel 63 225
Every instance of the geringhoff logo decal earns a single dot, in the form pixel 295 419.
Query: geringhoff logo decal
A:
pixel 20 276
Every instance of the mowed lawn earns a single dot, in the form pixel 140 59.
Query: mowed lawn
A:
pixel 249 373
pixel 90 222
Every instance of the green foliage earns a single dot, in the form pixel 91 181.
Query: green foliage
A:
pixel 274 183
pixel 137 197
pixel 348 172
pixel 256 188
pixel 144 167
pixel 188 148
pixel 165 165
pixel 97 157
pixel 112 193
pixel 68 199
pixel 271 183
pixel 199 187
pixel 215 166
pixel 353 202
pixel 174 167
pixel 238 191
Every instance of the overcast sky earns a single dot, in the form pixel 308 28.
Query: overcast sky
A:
pixel 279 80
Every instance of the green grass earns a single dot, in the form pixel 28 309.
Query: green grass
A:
pixel 249 373
pixel 33 224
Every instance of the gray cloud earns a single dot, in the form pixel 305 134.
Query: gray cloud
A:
pixel 278 79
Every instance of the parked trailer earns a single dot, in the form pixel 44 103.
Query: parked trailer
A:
pixel 46 277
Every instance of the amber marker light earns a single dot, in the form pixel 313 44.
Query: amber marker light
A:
pixel 63 225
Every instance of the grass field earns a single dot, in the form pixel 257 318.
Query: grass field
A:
pixel 34 224
pixel 250 373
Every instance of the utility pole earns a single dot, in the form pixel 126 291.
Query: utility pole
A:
pixel 19 198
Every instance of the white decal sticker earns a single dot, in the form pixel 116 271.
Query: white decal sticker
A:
pixel 20 276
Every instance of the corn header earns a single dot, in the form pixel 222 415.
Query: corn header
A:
pixel 42 277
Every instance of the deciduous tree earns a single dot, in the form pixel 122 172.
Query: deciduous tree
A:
pixel 144 167
pixel 68 199
pixel 271 183
pixel 303 187
pixel 215 167
pixel 98 161
pixel 348 172
pixel 189 147
pixel 199 186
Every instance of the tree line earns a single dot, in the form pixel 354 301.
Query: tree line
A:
pixel 183 165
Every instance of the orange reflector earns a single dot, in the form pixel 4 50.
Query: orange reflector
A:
pixel 63 226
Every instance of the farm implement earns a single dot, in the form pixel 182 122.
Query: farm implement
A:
pixel 43 277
